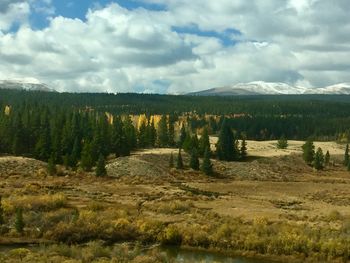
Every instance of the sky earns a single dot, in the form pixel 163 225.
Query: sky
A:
pixel 173 46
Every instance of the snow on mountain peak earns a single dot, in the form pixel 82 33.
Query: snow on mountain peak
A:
pixel 273 88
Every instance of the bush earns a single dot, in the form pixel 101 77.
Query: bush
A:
pixel 171 236
pixel 35 203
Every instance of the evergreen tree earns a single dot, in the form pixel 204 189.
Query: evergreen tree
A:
pixel 163 135
pixel 57 146
pixel 142 136
pixel 319 160
pixel 183 135
pixel 282 143
pixel 51 166
pixel 243 149
pixel 179 164
pixel 75 155
pixel 187 144
pixel 194 161
pixel 207 166
pixel 327 158
pixel 171 161
pixel 86 161
pixel 308 152
pixel 96 145
pixel 42 148
pixel 120 145
pixel 171 131
pixel 194 143
pixel 130 134
pixel 346 155
pixel 2 220
pixel 151 134
pixel 204 142
pixel 225 146
pixel 66 162
pixel 19 142
pixel 19 222
pixel 101 166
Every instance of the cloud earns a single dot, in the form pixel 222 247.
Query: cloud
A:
pixel 187 46
pixel 13 12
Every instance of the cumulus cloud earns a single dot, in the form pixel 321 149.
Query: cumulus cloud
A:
pixel 118 50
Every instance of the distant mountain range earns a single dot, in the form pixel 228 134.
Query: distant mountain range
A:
pixel 272 88
pixel 24 85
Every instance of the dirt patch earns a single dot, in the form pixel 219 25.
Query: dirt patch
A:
pixel 19 166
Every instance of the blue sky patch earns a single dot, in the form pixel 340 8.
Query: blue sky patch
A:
pixel 226 37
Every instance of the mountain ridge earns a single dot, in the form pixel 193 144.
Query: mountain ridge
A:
pixel 272 88
pixel 30 85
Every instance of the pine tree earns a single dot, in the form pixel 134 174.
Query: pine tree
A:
pixel 194 143
pixel 51 166
pixel 152 134
pixel 308 152
pixel 42 148
pixel 346 155
pixel 66 161
pixel 225 146
pixel 207 166
pixel 142 136
pixel 183 135
pixel 2 220
pixel 187 144
pixel 204 142
pixel 19 222
pixel 163 133
pixel 101 166
pixel 130 135
pixel 76 154
pixel 86 161
pixel 120 145
pixel 327 158
pixel 194 161
pixel 171 161
pixel 243 149
pixel 282 143
pixel 179 164
pixel 171 132
pixel 19 142
pixel 96 145
pixel 319 160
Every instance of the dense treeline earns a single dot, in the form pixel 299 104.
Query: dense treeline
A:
pixel 257 117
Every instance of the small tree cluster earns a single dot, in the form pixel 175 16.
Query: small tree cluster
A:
pixel 206 166
pixel 227 147
pixel 315 159
pixel 282 143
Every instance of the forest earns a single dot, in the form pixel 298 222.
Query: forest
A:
pixel 322 117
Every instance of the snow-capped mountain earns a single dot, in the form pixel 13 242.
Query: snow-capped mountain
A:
pixel 30 85
pixel 272 88
pixel 341 89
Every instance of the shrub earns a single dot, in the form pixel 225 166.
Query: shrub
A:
pixel 171 236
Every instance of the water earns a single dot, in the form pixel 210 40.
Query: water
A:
pixel 173 254
pixel 186 256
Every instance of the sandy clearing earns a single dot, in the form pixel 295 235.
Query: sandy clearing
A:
pixel 269 149
pixel 263 148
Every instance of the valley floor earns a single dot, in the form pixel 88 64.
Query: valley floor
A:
pixel 275 207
